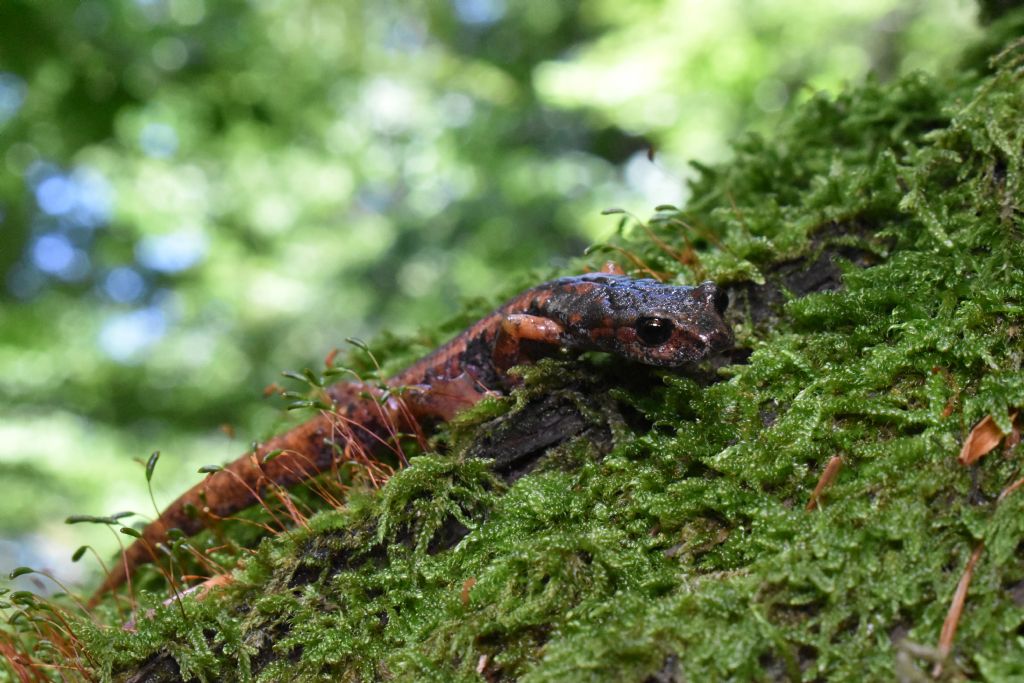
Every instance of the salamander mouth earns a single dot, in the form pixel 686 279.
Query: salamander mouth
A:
pixel 690 342
pixel 690 345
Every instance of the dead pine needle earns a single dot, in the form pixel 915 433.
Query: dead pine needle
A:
pixel 636 261
pixel 835 464
pixel 1010 489
pixel 956 608
pixel 467 586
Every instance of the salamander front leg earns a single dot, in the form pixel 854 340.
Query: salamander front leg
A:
pixel 442 399
pixel 517 327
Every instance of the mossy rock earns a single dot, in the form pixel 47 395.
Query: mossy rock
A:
pixel 874 251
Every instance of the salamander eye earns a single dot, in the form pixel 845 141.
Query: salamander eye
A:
pixel 654 331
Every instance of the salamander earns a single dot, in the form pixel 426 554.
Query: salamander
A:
pixel 639 320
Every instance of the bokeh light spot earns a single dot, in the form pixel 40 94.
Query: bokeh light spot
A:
pixel 20 156
pixel 479 12
pixel 188 12
pixel 92 17
pixel 83 197
pixel 25 281
pixel 153 10
pixel 158 140
pixel 78 269
pixel 171 253
pixel 170 54
pixel 53 253
pixel 123 337
pixel 771 94
pixel 389 104
pixel 655 184
pixel 457 109
pixel 94 198
pixel 12 95
pixel 56 195
pixel 124 285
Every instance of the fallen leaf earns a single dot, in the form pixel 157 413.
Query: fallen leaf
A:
pixel 985 436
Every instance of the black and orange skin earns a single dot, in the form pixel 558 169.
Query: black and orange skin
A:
pixel 639 320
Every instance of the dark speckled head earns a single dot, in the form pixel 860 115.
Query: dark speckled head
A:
pixel 642 320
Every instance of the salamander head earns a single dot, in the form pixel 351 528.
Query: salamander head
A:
pixel 657 324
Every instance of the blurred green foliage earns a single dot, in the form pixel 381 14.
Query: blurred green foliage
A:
pixel 196 194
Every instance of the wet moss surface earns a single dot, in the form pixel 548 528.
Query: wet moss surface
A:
pixel 874 252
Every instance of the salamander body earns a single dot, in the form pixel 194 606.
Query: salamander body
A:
pixel 639 320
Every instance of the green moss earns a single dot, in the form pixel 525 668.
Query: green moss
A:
pixel 687 547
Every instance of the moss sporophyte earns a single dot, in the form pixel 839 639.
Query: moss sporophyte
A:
pixel 608 522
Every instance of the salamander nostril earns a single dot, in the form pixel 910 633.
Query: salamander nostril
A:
pixel 720 301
